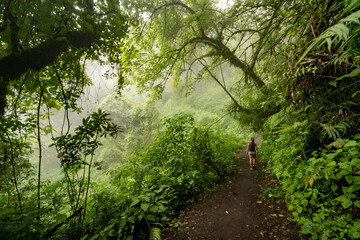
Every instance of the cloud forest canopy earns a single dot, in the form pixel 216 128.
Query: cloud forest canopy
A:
pixel 185 40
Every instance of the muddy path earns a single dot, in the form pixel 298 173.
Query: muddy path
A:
pixel 236 210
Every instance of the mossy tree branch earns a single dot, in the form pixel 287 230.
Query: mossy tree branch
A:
pixel 13 66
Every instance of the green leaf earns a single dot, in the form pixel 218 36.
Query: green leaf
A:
pixel 162 208
pixel 356 179
pixel 354 188
pixel 145 206
pixel 134 201
pixel 153 208
pixel 338 143
pixel 61 217
pixel 95 237
pixel 331 164
pixel 155 233
pixel 355 93
pixel 112 233
pixel 351 143
pixel 333 83
pixel 345 202
pixel 357 203
pixel 349 179
pixel 354 17
pixel 354 73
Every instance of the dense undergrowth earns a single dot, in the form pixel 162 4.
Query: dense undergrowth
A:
pixel 156 183
pixel 322 185
pixel 152 186
pixel 313 144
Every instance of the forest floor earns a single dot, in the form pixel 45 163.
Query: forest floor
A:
pixel 236 210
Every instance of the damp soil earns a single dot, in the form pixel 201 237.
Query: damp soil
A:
pixel 236 209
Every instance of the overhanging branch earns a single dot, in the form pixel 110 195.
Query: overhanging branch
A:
pixel 13 66
pixel 241 108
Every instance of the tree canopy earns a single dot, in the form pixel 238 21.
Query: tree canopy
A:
pixel 185 40
pixel 54 38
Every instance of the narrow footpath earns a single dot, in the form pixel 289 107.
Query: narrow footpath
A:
pixel 236 210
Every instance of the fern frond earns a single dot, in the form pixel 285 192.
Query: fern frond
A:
pixel 335 131
pixel 309 181
pixel 329 132
pixel 155 233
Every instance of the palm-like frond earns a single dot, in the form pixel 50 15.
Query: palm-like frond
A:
pixel 345 31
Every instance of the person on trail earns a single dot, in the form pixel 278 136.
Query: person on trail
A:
pixel 251 150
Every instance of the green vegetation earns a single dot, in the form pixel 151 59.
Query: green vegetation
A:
pixel 215 73
pixel 157 183
pixel 313 145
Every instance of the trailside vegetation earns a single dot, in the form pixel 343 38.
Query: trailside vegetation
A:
pixel 142 195
pixel 313 144
pixel 156 183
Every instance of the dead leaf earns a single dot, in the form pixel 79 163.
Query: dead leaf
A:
pixel 227 212
pixel 258 201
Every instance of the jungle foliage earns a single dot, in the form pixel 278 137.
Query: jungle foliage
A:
pixel 145 192
pixel 156 183
pixel 189 41
pixel 289 68
pixel 313 144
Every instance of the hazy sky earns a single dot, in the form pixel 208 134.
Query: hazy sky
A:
pixel 225 3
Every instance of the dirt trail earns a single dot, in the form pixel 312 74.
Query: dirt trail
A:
pixel 235 210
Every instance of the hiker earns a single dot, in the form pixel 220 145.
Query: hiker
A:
pixel 251 150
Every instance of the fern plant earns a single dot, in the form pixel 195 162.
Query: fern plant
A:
pixel 336 130
pixel 155 233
